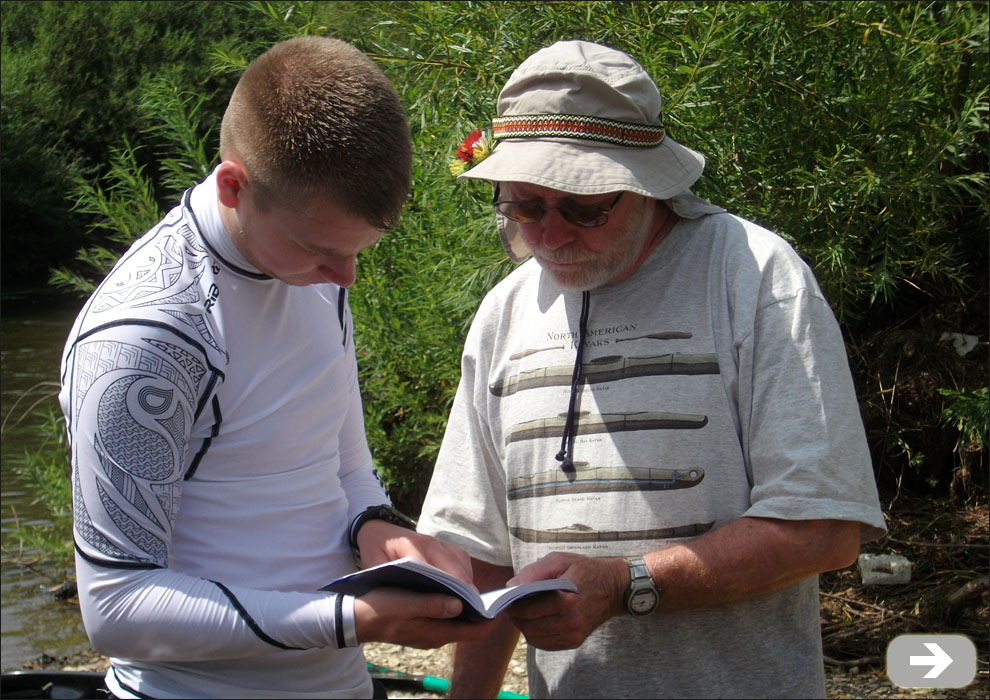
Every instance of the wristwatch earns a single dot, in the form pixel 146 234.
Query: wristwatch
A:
pixel 381 512
pixel 643 595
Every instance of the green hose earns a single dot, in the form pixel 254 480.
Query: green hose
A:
pixel 431 683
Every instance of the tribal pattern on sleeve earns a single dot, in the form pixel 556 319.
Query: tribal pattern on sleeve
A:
pixel 143 403
pixel 144 364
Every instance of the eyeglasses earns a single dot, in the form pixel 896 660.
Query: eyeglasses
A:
pixel 582 215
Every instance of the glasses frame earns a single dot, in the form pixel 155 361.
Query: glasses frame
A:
pixel 565 210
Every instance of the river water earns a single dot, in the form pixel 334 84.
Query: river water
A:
pixel 33 328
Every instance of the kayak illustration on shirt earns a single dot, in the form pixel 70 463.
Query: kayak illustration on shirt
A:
pixel 609 368
pixel 588 424
pixel 555 482
pixel 578 532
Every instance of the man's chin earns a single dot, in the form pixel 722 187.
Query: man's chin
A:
pixel 577 280
pixel 297 281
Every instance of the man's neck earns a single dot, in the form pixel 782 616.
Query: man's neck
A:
pixel 667 220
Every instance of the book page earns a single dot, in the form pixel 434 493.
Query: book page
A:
pixel 497 600
pixel 415 575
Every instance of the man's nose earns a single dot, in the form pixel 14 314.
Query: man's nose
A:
pixel 552 231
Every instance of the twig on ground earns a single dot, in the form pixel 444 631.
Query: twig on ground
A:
pixel 940 545
pixel 969 590
pixel 872 606
pixel 849 663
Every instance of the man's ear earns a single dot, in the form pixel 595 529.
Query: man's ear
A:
pixel 231 180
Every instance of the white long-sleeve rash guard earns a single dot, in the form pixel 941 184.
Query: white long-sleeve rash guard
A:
pixel 219 455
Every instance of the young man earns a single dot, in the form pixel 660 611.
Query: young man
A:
pixel 657 406
pixel 221 474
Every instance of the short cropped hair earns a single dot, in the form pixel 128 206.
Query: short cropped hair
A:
pixel 314 117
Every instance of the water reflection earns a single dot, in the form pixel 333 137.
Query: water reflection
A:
pixel 33 328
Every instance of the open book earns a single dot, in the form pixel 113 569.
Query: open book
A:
pixel 416 575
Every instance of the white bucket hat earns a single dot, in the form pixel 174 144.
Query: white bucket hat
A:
pixel 583 118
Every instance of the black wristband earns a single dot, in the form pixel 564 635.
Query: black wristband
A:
pixel 338 621
pixel 380 512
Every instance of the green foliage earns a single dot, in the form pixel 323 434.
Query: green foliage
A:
pixel 37 170
pixel 858 130
pixel 51 472
pixel 127 206
pixel 72 78
pixel 47 469
pixel 861 134
pixel 968 412
pixel 175 117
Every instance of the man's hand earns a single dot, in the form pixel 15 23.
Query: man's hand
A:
pixel 562 620
pixel 422 620
pixel 380 541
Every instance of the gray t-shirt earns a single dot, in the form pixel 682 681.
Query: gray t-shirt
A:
pixel 716 385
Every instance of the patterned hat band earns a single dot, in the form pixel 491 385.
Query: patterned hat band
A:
pixel 526 126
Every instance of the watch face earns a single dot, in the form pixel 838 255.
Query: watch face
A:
pixel 643 601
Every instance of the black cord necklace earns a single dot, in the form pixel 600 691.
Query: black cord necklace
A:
pixel 566 454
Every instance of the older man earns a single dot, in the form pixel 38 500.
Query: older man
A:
pixel 657 405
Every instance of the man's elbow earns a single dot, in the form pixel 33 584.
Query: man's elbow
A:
pixel 106 640
pixel 841 548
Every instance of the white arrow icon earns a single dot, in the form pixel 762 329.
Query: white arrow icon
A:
pixel 939 660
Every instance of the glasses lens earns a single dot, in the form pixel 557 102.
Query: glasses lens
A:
pixel 584 215
pixel 587 217
pixel 523 212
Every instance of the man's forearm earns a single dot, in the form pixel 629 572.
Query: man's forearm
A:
pixel 750 557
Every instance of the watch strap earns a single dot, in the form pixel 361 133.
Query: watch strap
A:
pixel 384 512
pixel 638 570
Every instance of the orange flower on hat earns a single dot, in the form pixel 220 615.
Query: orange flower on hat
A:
pixel 472 151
